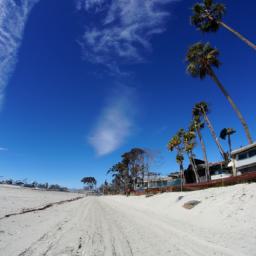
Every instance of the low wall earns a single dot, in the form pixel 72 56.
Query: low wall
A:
pixel 244 178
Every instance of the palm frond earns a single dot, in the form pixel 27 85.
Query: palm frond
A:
pixel 207 15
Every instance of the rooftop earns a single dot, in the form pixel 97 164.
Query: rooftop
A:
pixel 242 149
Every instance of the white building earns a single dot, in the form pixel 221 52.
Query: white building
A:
pixel 157 182
pixel 244 159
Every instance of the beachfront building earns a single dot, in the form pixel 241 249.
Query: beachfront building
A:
pixel 158 181
pixel 244 159
pixel 218 170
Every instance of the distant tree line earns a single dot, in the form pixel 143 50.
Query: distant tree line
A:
pixel 125 174
pixel 34 184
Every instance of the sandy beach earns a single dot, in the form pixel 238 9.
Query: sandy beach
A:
pixel 14 199
pixel 223 223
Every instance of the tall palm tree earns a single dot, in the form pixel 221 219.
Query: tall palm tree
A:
pixel 201 59
pixel 207 17
pixel 227 132
pixel 197 125
pixel 202 109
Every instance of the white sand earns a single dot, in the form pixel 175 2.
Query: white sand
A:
pixel 14 199
pixel 224 223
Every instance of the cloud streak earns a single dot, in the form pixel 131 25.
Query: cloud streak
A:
pixel 13 17
pixel 122 29
pixel 119 32
pixel 115 123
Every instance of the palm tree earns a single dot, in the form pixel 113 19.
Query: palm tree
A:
pixel 197 125
pixel 207 17
pixel 183 143
pixel 202 109
pixel 176 143
pixel 227 132
pixel 201 59
pixel 189 145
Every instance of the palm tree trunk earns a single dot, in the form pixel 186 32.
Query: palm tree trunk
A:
pixel 193 167
pixel 181 177
pixel 240 36
pixel 245 40
pixel 207 171
pixel 233 105
pixel 213 133
pixel 229 145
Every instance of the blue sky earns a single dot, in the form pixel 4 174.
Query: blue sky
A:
pixel 86 80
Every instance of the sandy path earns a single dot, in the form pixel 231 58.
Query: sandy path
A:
pixel 97 226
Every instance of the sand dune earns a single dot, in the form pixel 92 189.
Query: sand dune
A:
pixel 15 199
pixel 223 223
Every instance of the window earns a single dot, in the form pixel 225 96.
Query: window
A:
pixel 252 153
pixel 242 156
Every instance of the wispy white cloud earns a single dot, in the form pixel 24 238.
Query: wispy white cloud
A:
pixel 13 17
pixel 90 4
pixel 123 29
pixel 3 149
pixel 115 123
